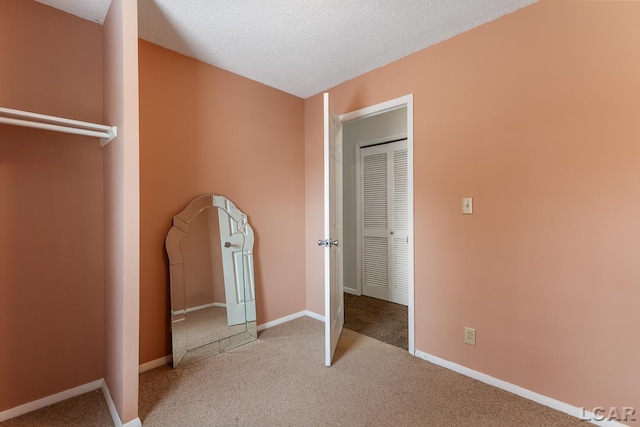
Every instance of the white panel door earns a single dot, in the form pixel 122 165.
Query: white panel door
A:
pixel 385 221
pixel 333 289
pixel 234 268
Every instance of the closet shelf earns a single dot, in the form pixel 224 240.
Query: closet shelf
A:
pixel 57 124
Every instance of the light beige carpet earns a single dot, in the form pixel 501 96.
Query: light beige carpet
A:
pixel 89 409
pixel 208 325
pixel 281 380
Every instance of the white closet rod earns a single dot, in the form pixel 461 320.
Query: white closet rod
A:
pixel 58 124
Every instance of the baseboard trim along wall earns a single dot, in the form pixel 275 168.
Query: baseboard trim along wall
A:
pixel 289 318
pixel 574 411
pixel 350 290
pixel 117 422
pixel 314 315
pixel 50 400
pixel 199 307
pixel 166 360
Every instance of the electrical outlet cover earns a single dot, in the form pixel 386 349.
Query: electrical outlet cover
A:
pixel 469 336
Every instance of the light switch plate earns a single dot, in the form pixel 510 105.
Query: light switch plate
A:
pixel 467 205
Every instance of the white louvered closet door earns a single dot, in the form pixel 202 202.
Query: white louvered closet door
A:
pixel 385 221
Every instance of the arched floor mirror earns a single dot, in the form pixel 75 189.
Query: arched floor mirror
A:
pixel 210 249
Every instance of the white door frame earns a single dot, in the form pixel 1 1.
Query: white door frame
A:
pixel 384 107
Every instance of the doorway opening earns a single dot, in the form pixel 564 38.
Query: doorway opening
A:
pixel 378 221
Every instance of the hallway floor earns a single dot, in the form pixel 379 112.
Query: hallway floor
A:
pixel 382 320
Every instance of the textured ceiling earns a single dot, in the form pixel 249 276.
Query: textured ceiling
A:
pixel 302 47
pixel 93 10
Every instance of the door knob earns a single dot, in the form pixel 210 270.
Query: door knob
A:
pixel 327 243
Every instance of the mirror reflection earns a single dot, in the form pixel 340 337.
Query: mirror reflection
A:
pixel 210 249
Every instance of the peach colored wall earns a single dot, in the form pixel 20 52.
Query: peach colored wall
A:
pixel 205 130
pixel 51 267
pixel 535 116
pixel 122 208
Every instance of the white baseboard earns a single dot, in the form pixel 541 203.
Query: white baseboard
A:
pixel 199 307
pixel 166 360
pixel 50 400
pixel 202 307
pixel 350 290
pixel 133 423
pixel 117 422
pixel 289 318
pixel 574 411
pixel 314 315
pixel 112 406
pixel 281 320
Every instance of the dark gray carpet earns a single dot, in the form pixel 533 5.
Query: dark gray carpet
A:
pixel 381 320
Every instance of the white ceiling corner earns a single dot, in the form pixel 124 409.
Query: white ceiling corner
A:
pixel 301 47
pixel 91 10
